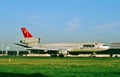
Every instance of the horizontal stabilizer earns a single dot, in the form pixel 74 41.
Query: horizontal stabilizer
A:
pixel 22 45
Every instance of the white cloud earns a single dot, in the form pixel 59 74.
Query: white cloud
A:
pixel 30 19
pixel 73 25
pixel 107 27
pixel 36 20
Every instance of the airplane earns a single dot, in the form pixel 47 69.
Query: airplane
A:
pixel 58 49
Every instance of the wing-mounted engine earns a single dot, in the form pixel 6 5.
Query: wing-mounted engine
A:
pixel 30 41
pixel 63 52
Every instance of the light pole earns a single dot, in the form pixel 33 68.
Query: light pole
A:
pixel 2 47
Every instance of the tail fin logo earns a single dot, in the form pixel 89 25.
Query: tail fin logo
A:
pixel 26 33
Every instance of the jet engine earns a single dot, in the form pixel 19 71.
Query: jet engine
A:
pixel 63 53
pixel 30 40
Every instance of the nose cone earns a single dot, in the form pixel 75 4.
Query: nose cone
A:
pixel 106 47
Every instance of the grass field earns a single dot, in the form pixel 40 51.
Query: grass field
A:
pixel 59 67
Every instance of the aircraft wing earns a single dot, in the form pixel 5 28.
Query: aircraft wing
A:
pixel 36 48
pixel 41 48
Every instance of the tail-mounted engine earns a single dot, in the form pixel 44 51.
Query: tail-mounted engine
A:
pixel 30 40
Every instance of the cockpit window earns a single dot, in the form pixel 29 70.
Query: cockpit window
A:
pixel 104 45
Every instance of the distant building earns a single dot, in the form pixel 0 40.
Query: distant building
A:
pixel 115 45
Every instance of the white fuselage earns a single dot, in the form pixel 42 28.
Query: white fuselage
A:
pixel 75 47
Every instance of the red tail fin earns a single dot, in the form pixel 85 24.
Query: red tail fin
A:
pixel 26 33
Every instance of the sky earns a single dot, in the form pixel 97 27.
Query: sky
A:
pixel 60 20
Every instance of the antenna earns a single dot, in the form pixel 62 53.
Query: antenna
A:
pixel 95 40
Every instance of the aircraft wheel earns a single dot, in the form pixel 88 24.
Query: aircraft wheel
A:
pixel 61 55
pixel 53 55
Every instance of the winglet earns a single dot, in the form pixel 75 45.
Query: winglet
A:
pixel 26 33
